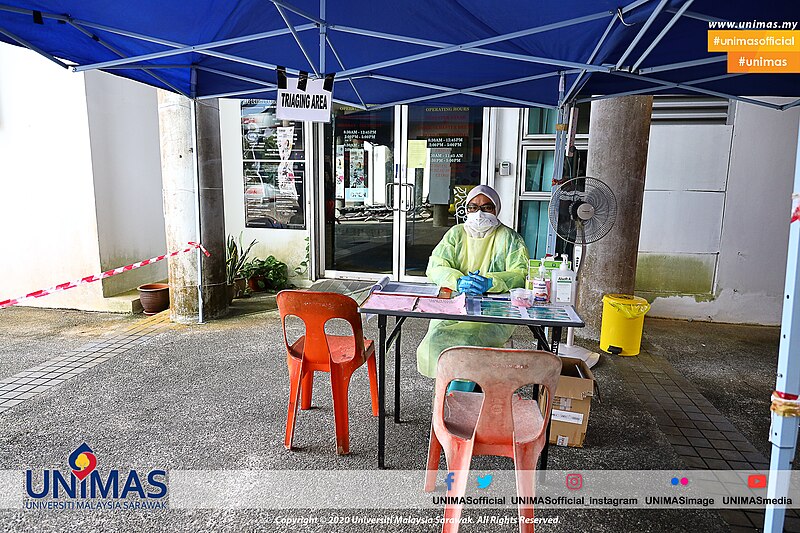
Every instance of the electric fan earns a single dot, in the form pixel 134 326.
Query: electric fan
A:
pixel 582 211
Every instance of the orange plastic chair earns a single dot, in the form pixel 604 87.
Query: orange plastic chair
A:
pixel 316 351
pixel 495 422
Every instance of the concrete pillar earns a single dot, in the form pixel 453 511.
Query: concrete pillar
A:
pixel 180 205
pixel 619 131
pixel 441 215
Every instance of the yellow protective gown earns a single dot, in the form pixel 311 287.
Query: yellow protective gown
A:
pixel 501 256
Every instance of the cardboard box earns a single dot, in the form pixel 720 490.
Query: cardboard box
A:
pixel 571 403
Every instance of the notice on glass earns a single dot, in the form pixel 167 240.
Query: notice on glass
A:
pixel 439 193
pixel 273 165
pixel 340 172
pixel 417 153
pixel 357 168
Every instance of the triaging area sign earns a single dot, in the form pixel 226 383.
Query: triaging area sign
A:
pixel 313 104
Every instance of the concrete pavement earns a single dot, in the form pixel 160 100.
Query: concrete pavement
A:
pixel 214 397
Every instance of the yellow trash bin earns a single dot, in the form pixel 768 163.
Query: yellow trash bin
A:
pixel 623 319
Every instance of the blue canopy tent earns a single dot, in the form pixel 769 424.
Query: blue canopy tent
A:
pixel 515 53
pixel 469 52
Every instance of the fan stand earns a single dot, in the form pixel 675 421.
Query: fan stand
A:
pixel 570 349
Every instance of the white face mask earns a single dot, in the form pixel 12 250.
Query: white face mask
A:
pixel 480 224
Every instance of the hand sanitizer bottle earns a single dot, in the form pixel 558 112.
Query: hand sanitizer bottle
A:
pixel 563 284
pixel 540 283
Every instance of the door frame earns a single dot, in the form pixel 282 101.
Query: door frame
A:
pixel 400 200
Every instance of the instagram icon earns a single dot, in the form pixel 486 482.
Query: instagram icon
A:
pixel 574 481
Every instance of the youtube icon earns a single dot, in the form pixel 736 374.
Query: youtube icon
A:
pixel 757 481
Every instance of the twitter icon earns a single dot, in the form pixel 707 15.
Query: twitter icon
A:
pixel 484 481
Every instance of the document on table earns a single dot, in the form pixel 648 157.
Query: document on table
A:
pixel 454 306
pixel 390 301
pixel 385 286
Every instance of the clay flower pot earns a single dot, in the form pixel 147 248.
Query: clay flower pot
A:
pixel 154 297
pixel 257 283
pixel 240 285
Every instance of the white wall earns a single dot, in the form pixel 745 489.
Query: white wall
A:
pixel 123 125
pixel 287 245
pixel 507 124
pixel 80 182
pixel 724 204
pixel 47 214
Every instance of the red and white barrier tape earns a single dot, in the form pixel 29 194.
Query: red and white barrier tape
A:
pixel 103 275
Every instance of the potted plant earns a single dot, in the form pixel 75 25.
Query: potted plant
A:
pixel 154 297
pixel 266 274
pixel 234 265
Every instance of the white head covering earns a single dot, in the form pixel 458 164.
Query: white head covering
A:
pixel 480 224
pixel 488 192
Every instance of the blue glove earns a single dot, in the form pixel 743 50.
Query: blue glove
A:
pixel 481 283
pixel 466 284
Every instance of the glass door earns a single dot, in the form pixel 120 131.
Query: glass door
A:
pixel 394 182
pixel 359 194
pixel 444 150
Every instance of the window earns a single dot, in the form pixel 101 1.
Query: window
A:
pixel 537 159
pixel 274 167
pixel 540 122
pixel 535 192
pixel 538 149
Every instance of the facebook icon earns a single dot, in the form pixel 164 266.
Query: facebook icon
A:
pixel 449 479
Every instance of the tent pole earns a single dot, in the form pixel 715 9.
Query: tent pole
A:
pixel 197 220
pixel 474 88
pixel 662 33
pixel 26 44
pixel 323 36
pixel 341 65
pixel 575 85
pixel 790 105
pixel 186 49
pixel 465 47
pixel 642 31
pixel 198 48
pixel 122 56
pixel 297 39
pixel 479 51
pixel 783 432
pixel 558 156
pixel 685 64
pixel 694 89
pixel 298 11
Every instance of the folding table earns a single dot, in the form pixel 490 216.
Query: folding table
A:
pixel 478 309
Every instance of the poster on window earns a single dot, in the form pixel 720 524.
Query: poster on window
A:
pixel 439 193
pixel 356 169
pixel 340 172
pixel 285 138
pixel 267 205
pixel 273 167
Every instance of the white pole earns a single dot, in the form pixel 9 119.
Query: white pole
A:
pixel 783 431
pixel 197 214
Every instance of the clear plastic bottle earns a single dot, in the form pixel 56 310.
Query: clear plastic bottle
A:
pixel 540 285
pixel 563 284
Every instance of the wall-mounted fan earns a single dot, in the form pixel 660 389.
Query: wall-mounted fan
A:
pixel 582 211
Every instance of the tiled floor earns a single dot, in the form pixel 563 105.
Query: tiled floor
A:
pixel 27 384
pixel 698 432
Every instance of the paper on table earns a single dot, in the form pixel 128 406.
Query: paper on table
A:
pixel 387 301
pixel 380 284
pixel 386 286
pixel 454 306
